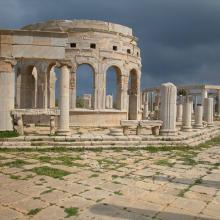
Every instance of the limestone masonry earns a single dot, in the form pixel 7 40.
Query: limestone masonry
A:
pixel 30 57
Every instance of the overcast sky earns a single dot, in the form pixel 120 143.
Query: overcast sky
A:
pixel 179 39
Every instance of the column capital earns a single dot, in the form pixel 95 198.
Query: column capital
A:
pixel 61 63
pixel 6 65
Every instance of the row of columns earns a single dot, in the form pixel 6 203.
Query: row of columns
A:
pixel 170 112
pixel 7 98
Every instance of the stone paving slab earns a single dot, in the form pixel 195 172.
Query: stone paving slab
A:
pixel 111 184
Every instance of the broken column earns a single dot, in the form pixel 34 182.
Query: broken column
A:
pixel 208 111
pixel 87 101
pixel 168 109
pixel 109 102
pixel 146 110
pixel 198 117
pixel 187 115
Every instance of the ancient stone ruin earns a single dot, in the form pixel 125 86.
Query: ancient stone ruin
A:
pixel 30 57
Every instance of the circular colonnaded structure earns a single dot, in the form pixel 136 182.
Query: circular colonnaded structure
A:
pixel 102 46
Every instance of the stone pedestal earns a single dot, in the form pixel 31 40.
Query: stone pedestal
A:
pixel 198 117
pixel 63 128
pixel 7 95
pixel 187 116
pixel 168 109
pixel 179 117
pixel 208 111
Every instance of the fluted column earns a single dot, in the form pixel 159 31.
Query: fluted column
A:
pixel 168 109
pixel 64 101
pixel 198 117
pixel 208 111
pixel 7 94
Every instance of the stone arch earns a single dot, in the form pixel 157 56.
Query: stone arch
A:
pixel 117 93
pixel 86 100
pixel 51 85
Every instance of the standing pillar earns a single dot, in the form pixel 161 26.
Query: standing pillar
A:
pixel 145 103
pixel 204 95
pixel 7 94
pixel 198 117
pixel 218 103
pixel 208 111
pixel 187 116
pixel 179 117
pixel 73 90
pixel 168 109
pixel 64 102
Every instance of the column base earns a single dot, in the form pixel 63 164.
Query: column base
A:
pixel 187 128
pixel 168 132
pixel 198 126
pixel 210 125
pixel 63 133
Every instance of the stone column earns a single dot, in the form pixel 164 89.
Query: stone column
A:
pixel 7 94
pixel 208 111
pixel 218 103
pixel 168 109
pixel 64 101
pixel 198 117
pixel 187 115
pixel 73 90
pixel 204 95
pixel 146 111
pixel 179 117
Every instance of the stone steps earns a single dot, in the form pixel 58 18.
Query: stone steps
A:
pixel 91 141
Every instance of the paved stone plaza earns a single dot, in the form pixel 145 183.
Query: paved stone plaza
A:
pixel 111 184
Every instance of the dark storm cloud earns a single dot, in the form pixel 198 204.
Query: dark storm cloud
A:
pixel 180 39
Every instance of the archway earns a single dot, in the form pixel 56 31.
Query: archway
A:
pixel 85 85
pixel 28 87
pixel 133 95
pixel 53 76
pixel 113 88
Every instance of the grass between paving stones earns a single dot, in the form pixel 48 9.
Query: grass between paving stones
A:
pixel 65 160
pixel 164 162
pixel 49 171
pixel 34 211
pixel 72 211
pixel 16 163
pixel 119 193
pixel 8 134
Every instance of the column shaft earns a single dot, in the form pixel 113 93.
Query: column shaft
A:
pixel 208 111
pixel 168 109
pixel 7 95
pixel 187 116
pixel 198 117
pixel 64 101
